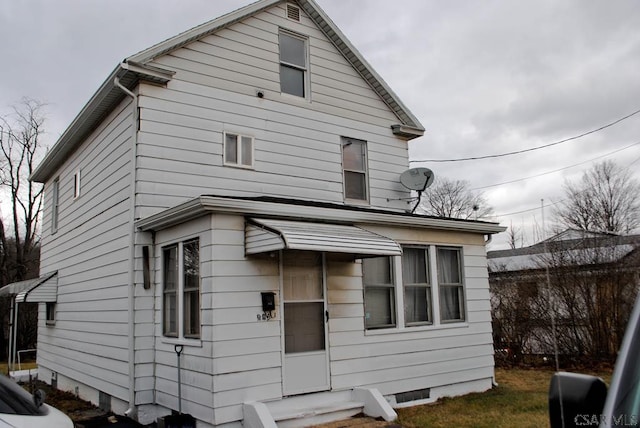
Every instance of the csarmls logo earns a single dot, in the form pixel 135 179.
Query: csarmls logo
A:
pixel 615 421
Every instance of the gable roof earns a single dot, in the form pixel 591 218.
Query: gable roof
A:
pixel 135 68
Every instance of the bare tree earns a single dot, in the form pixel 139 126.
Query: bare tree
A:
pixel 20 147
pixel 606 199
pixel 454 199
pixel 515 236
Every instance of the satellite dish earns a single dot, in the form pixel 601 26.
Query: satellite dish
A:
pixel 417 178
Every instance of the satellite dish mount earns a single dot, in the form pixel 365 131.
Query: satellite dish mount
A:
pixel 417 179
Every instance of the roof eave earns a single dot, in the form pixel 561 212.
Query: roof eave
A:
pixel 377 83
pixel 103 101
pixel 202 205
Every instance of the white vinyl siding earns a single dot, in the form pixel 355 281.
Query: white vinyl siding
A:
pixel 449 359
pixel 181 141
pixel 90 252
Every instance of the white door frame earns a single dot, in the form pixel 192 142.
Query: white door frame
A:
pixel 287 390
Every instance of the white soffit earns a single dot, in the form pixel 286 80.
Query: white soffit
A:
pixel 264 235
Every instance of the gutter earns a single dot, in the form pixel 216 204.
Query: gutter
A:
pixel 132 411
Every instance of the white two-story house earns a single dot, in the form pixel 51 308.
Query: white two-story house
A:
pixel 233 194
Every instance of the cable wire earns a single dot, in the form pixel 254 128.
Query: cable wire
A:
pixel 532 148
pixel 557 170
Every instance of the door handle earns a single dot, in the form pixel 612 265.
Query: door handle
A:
pixel 326 315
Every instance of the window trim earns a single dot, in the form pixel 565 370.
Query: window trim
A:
pixel 55 205
pixel 392 289
pixel 364 172
pixel 426 249
pixel 458 285
pixel 77 184
pixel 50 313
pixel 180 336
pixel 305 69
pixel 437 323
pixel 239 150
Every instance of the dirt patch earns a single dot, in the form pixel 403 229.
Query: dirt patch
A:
pixel 82 413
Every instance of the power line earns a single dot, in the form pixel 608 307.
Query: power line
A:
pixel 532 148
pixel 557 170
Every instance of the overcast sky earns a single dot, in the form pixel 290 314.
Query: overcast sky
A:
pixel 483 77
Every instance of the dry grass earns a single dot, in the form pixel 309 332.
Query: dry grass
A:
pixel 520 399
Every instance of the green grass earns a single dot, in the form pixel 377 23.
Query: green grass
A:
pixel 519 400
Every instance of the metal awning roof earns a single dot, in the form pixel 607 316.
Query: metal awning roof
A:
pixel 264 235
pixel 42 289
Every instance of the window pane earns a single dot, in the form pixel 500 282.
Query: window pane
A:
pixel 302 275
pixel 414 266
pixel 377 270
pixel 417 304
pixel 451 303
pixel 379 305
pixel 191 276
pixel 449 266
pixel 246 151
pixel 231 148
pixel 170 283
pixel 355 186
pixel 303 327
pixel 292 50
pixel 191 254
pixel 292 81
pixel 192 314
pixel 353 155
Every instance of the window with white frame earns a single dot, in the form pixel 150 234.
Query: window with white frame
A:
pixel 50 312
pixel 451 288
pixel 55 201
pixel 416 278
pixel 238 150
pixel 354 169
pixel 293 64
pixel 379 292
pixel 181 290
pixel 76 184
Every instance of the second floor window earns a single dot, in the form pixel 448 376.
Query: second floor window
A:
pixel 354 169
pixel 238 150
pixel 293 64
pixel 181 290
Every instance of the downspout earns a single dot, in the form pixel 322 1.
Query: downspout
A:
pixel 132 411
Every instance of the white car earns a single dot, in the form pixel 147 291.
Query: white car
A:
pixel 18 409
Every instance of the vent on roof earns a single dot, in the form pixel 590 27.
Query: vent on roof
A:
pixel 293 12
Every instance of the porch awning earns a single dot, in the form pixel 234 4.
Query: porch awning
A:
pixel 264 235
pixel 43 289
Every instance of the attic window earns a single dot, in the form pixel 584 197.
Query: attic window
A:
pixel 293 12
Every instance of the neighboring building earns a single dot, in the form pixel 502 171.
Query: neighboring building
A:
pixel 588 281
pixel 233 194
